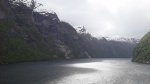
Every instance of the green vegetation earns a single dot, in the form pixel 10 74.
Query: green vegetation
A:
pixel 141 52
pixel 18 51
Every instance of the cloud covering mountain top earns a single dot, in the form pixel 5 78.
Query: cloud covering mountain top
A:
pixel 104 17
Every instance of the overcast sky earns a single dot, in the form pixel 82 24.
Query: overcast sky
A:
pixel 104 17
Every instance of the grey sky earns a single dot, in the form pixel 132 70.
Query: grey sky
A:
pixel 104 17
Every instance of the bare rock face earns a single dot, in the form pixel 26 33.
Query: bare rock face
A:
pixel 59 33
pixel 66 51
pixel 2 15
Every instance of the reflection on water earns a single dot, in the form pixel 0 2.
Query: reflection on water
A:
pixel 83 71
pixel 109 71
pixel 92 65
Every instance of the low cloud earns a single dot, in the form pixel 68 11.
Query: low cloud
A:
pixel 104 17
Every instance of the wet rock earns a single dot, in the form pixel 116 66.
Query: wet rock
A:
pixel 2 15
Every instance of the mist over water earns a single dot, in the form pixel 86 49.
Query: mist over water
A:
pixel 81 71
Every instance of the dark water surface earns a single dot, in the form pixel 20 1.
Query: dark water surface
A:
pixel 81 71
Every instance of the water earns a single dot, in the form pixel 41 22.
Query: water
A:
pixel 81 71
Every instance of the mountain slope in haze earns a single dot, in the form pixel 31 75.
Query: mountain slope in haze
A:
pixel 141 52
pixel 104 47
pixel 123 39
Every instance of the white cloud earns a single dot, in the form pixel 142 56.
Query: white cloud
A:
pixel 104 17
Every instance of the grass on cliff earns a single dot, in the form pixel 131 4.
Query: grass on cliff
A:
pixel 15 49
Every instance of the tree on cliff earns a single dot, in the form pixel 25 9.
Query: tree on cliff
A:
pixel 33 5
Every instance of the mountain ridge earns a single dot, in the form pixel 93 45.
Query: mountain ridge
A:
pixel 81 29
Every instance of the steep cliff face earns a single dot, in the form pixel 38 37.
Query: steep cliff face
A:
pixel 141 52
pixel 39 37
pixel 20 39
pixel 59 33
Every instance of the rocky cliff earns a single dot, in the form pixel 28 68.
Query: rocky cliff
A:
pixel 27 37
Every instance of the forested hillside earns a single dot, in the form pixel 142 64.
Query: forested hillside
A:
pixel 141 52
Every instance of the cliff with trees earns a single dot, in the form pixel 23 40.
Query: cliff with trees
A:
pixel 141 52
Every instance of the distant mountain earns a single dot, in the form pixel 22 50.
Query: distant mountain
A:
pixel 141 52
pixel 122 39
pixel 82 30
pixel 106 46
